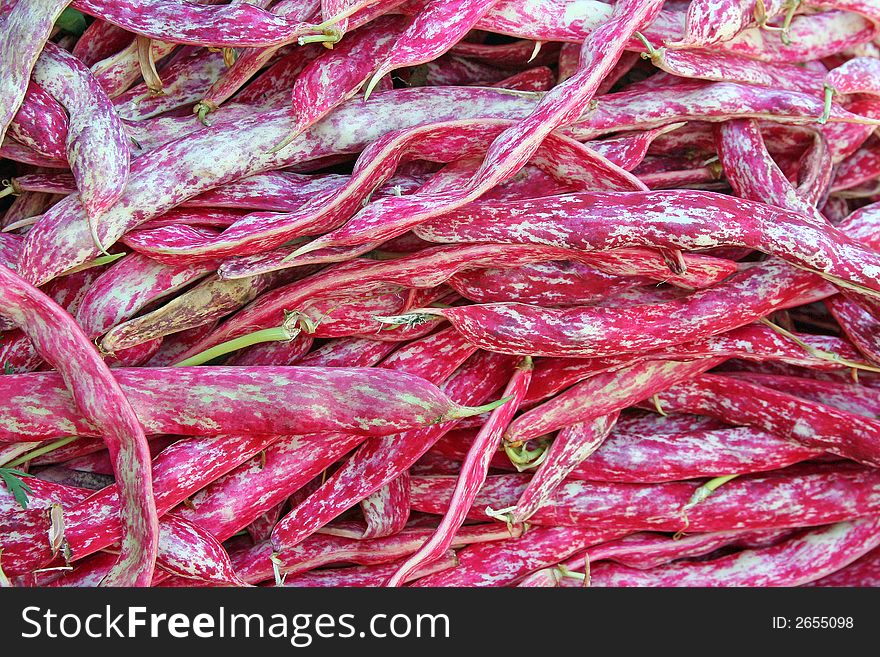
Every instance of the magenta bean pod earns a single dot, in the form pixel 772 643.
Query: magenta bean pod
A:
pixel 237 25
pixel 97 145
pixel 793 562
pixel 94 392
pixel 26 29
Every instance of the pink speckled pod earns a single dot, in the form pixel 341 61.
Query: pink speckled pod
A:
pixel 433 31
pixel 711 22
pixel 647 457
pixel 178 471
pixel 363 576
pixel 813 495
pixel 185 401
pixel 603 394
pixel 665 219
pixel 26 29
pixel 61 240
pixel 186 550
pixel 337 75
pixel 811 424
pixel 502 563
pixel 252 60
pixel 858 324
pixel 379 461
pixel 41 123
pixel 97 145
pixel 730 67
pixel 855 76
pixel 424 269
pixel 237 25
pixel 539 78
pixel 571 446
pixel 127 286
pixel 200 305
pixel 795 561
pixel 93 392
pixel 471 478
pixel 386 511
pixel 253 564
pixel 865 571
pixel 117 72
pixel 100 40
pixel 184 81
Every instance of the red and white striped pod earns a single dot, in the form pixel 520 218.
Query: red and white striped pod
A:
pixel 26 30
pixel 386 511
pixel 97 145
pixel 812 424
pixel 646 457
pixel 180 470
pixel 252 562
pixel 799 496
pixel 471 477
pixel 129 285
pixel 201 305
pixel 184 81
pixel 793 562
pixel 239 25
pixel 710 23
pixel 379 461
pixel 502 563
pixel 364 576
pixel 266 400
pixel 41 123
pixel 250 137
pixel 94 394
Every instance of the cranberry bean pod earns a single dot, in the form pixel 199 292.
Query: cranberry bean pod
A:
pixel 378 462
pixel 60 241
pixel 642 457
pixel 178 471
pixel 184 81
pixel 710 23
pixel 94 392
pixel 794 499
pixel 812 424
pixel 223 26
pixel 473 474
pixel 127 286
pixel 100 40
pixel 186 402
pixel 501 563
pixel 678 219
pixel 512 149
pixel 253 564
pixel 26 29
pixel 202 304
pixel 570 447
pixel 41 123
pixel 386 511
pixel 603 394
pixel 864 571
pixel 433 31
pixel 97 145
pixel 338 74
pixel 363 576
pixel 249 62
pixel 793 562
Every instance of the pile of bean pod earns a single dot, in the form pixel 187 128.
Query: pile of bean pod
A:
pixel 440 293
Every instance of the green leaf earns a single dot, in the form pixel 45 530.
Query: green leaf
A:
pixel 18 488
pixel 72 22
pixel 8 368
